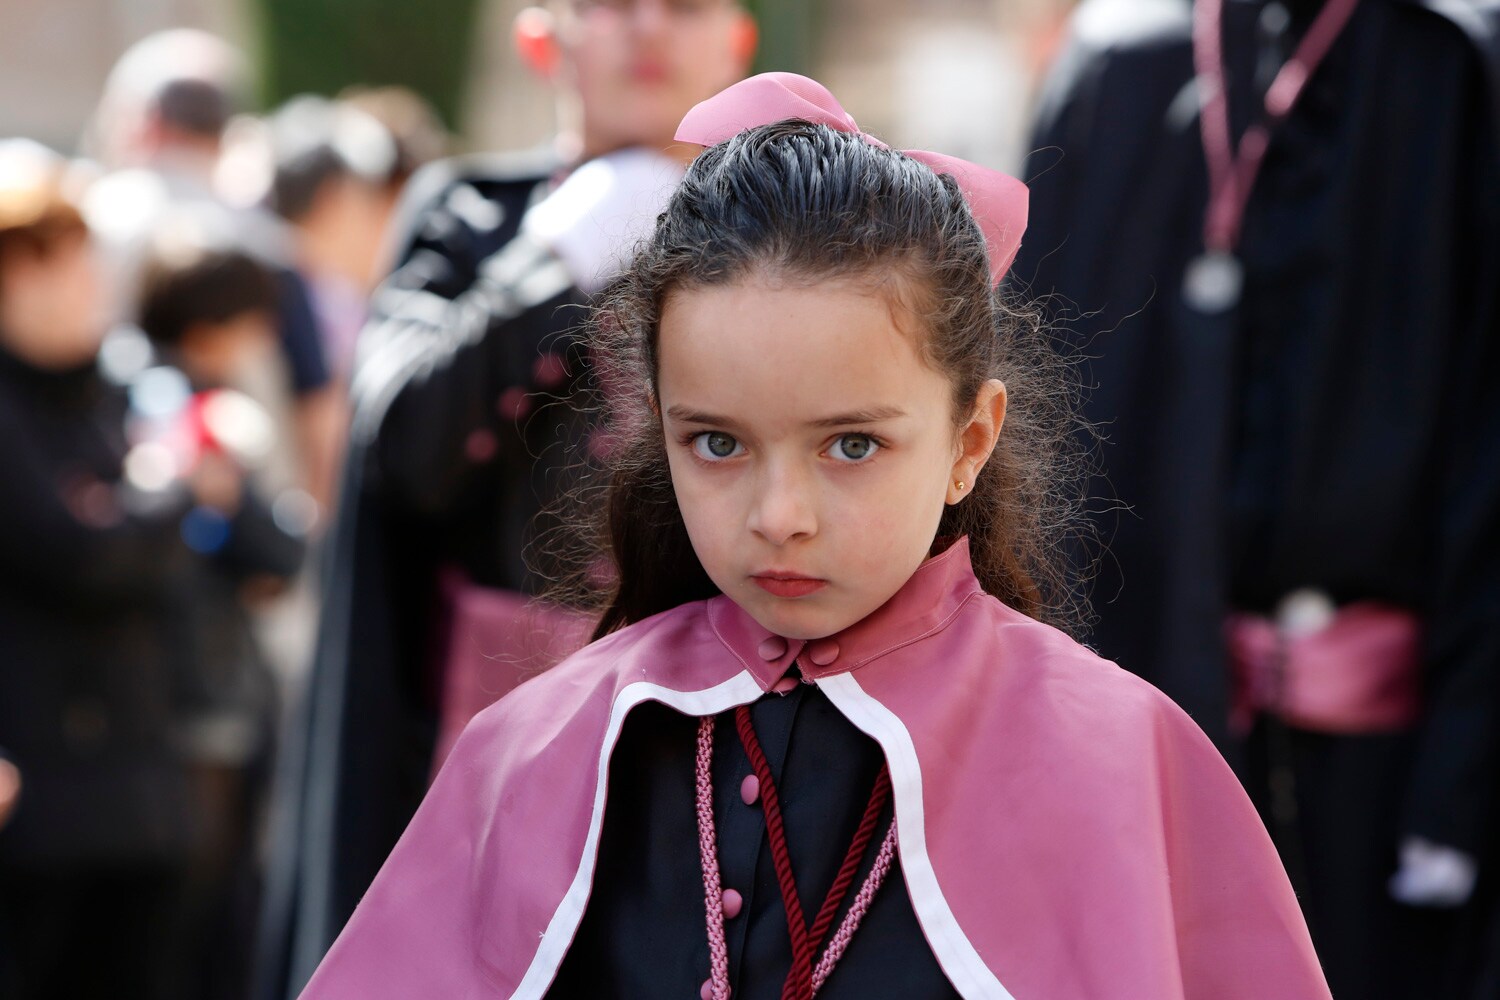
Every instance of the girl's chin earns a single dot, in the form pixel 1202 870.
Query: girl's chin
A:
pixel 798 619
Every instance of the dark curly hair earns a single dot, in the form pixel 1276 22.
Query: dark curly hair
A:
pixel 807 203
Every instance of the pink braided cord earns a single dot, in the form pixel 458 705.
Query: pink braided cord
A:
pixel 713 893
pixel 840 940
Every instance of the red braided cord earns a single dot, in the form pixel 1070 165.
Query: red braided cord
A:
pixel 799 981
pixel 805 986
pixel 845 879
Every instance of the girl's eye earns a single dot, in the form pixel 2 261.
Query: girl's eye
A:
pixel 715 446
pixel 853 448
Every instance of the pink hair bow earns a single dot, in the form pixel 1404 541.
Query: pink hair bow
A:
pixel 997 200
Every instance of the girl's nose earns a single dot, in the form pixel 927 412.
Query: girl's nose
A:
pixel 649 17
pixel 783 509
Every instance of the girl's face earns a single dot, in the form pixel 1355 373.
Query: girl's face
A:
pixel 812 449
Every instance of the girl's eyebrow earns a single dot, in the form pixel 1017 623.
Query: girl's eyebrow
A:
pixel 868 416
pixel 682 414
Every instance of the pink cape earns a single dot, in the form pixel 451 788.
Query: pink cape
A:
pixel 1065 831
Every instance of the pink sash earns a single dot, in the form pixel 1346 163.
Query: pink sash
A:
pixel 496 640
pixel 1359 674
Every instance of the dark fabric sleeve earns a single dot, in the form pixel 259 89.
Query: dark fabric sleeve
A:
pixel 301 340
pixel 257 544
pixel 1452 789
pixel 462 322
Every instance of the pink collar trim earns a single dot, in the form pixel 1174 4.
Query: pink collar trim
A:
pixel 924 605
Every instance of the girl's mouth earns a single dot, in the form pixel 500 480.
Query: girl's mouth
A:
pixel 788 584
pixel 648 71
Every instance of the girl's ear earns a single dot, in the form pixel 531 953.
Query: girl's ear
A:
pixel 535 36
pixel 976 439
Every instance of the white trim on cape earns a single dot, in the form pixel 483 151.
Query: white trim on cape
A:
pixel 955 953
pixel 738 690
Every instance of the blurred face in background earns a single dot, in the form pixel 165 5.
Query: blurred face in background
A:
pixel 635 67
pixel 344 229
pixel 51 302
pixel 219 353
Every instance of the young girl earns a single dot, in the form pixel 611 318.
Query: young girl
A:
pixel 824 742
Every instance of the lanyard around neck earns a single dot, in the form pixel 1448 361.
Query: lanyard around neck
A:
pixel 1232 169
pixel 809 969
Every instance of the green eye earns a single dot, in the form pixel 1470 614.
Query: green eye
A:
pixel 715 445
pixel 853 448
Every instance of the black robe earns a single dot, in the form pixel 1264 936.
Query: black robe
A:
pixel 1336 431
pixel 459 443
pixel 631 945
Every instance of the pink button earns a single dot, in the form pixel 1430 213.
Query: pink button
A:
pixel 787 683
pixel 733 903
pixel 823 652
pixel 707 992
pixel 750 790
pixel 773 648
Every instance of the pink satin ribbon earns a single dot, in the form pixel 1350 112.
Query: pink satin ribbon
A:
pixel 997 200
pixel 495 640
pixel 1360 674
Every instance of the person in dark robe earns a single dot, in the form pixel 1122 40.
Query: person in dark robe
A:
pixel 454 452
pixel 1271 229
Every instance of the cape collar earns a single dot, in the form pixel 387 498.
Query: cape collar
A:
pixel 924 605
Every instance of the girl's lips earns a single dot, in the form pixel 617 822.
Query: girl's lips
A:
pixel 648 72
pixel 788 586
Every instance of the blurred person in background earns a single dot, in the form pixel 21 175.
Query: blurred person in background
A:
pixel 159 130
pixel 1279 221
pixel 462 433
pixel 339 168
pixel 209 307
pixel 107 859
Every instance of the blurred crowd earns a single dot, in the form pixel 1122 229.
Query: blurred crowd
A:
pixel 282 430
pixel 178 313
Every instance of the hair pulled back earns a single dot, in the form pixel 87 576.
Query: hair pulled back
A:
pixel 801 202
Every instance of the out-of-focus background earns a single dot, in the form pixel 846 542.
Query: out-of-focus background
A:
pixel 895 64
pixel 259 425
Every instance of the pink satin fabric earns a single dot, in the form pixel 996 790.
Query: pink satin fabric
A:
pixel 496 640
pixel 1064 830
pixel 998 201
pixel 1360 674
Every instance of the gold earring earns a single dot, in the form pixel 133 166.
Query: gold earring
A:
pixel 961 485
